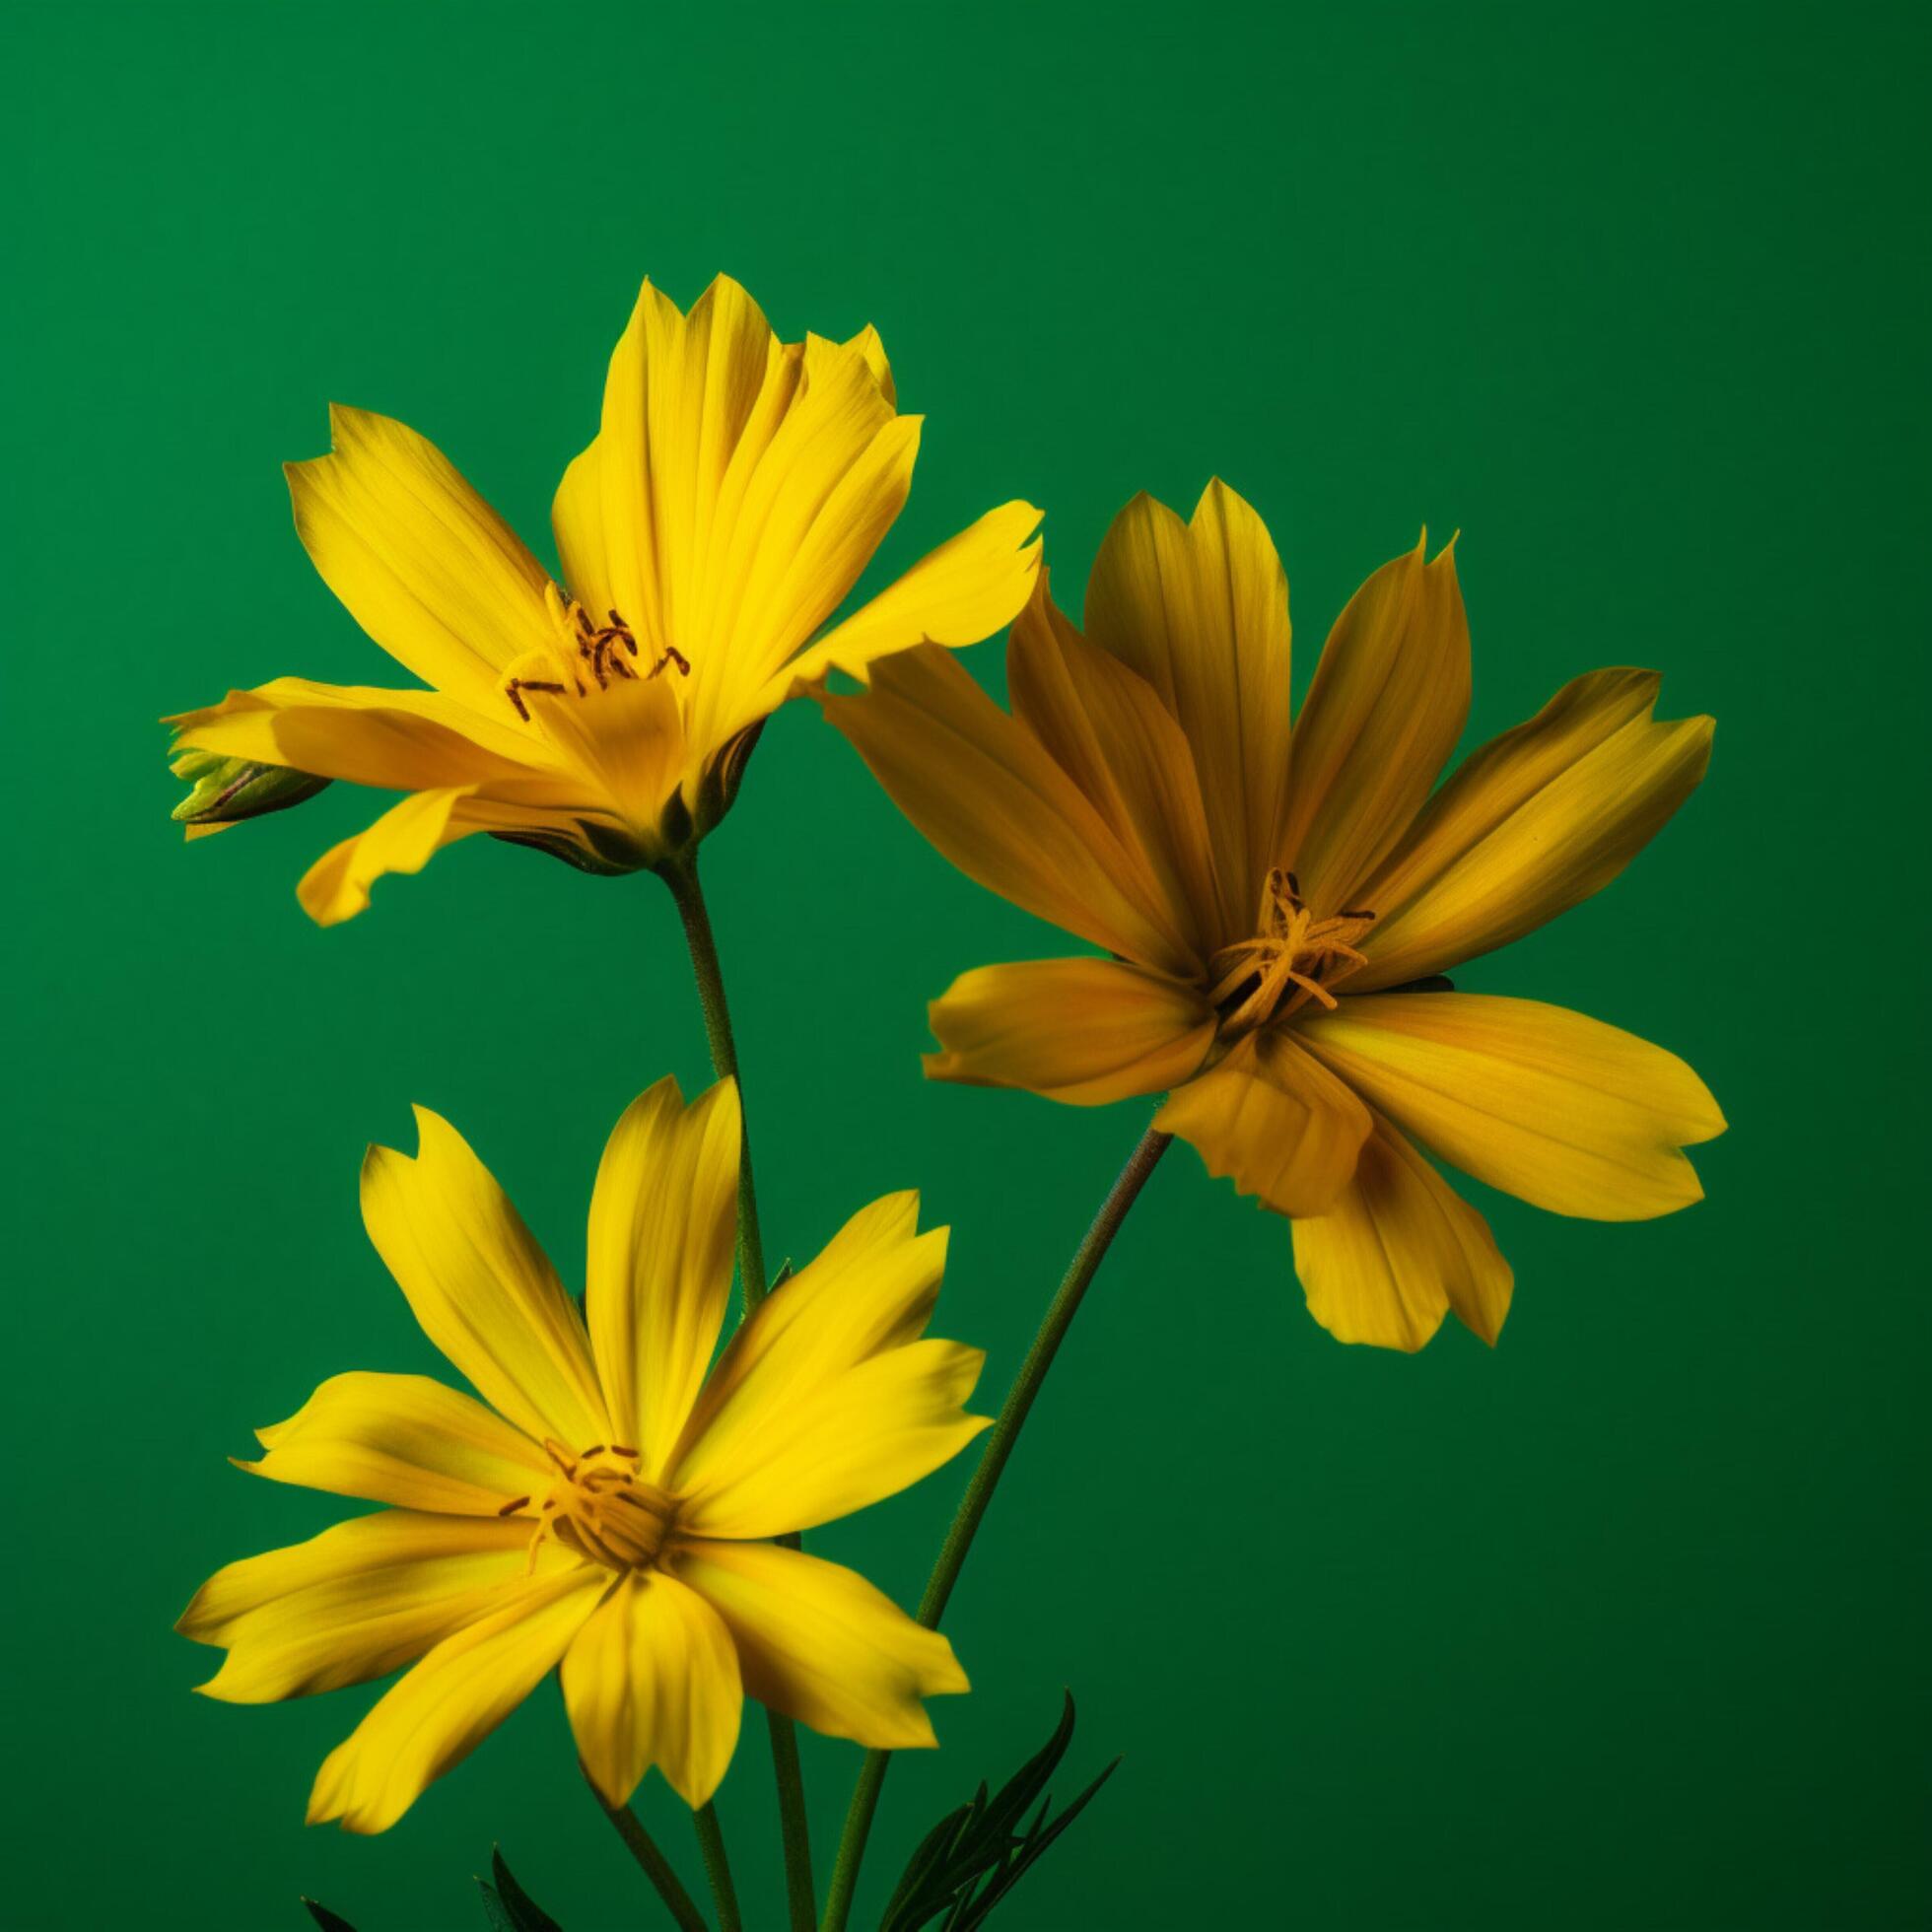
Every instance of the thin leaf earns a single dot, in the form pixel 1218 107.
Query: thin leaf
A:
pixel 525 1914
pixel 329 1921
pixel 494 1910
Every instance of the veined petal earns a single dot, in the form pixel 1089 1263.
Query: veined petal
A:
pixel 983 788
pixel 967 589
pixel 820 1644
pixel 1397 1248
pixel 1201 612
pixel 425 565
pixel 625 745
pixel 663 1220
pixel 1107 731
pixel 404 838
pixel 1530 825
pixel 652 1679
pixel 443 1707
pixel 483 1290
pixel 404 1439
pixel 1273 1120
pixel 357 1601
pixel 1564 1111
pixel 1085 1031
pixel 870 1290
pixel 393 740
pixel 1386 706
pixel 844 1443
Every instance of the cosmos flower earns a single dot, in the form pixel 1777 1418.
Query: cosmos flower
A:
pixel 610 1513
pixel 737 487
pixel 1278 906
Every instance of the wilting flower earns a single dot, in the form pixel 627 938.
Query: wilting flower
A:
pixel 610 1511
pixel 737 487
pixel 1275 902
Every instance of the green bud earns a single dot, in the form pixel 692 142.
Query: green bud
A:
pixel 229 790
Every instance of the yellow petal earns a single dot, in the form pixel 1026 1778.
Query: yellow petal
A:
pixel 841 1445
pixel 872 1288
pixel 663 1221
pixel 1383 713
pixel 1536 821
pixel 1564 1111
pixel 1200 610
pixel 820 1644
pixel 652 1679
pixel 425 565
pixel 1398 1248
pixel 1274 1122
pixel 443 1708
pixel 1105 728
pixel 357 1601
pixel 395 740
pixel 984 791
pixel 1082 1030
pixel 404 838
pixel 404 1439
pixel 970 586
pixel 481 1287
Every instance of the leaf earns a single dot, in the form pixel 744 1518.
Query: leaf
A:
pixel 329 1921
pixel 494 1910
pixel 974 1856
pixel 525 1914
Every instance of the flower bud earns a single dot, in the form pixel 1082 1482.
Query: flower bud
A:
pixel 229 790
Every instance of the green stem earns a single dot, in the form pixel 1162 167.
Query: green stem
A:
pixel 799 1893
pixel 656 1867
pixel 985 1479
pixel 718 1867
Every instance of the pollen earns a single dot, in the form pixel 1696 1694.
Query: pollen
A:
pixel 1293 958
pixel 584 655
pixel 601 1509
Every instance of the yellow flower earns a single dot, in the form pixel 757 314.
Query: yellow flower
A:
pixel 737 487
pixel 610 1511
pixel 1275 904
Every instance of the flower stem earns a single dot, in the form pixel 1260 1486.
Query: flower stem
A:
pixel 985 1479
pixel 799 1893
pixel 718 1867
pixel 656 1867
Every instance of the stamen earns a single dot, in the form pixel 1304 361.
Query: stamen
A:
pixel 510 1508
pixel 1293 958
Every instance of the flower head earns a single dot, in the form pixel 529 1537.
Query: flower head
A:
pixel 735 490
pixel 1278 906
pixel 609 1511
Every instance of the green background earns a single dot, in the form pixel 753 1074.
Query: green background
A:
pixel 1621 1625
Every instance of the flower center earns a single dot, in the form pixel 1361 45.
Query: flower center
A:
pixel 1293 957
pixel 601 1509
pixel 583 655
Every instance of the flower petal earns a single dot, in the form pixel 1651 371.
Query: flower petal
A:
pixel 402 1439
pixel 663 1221
pixel 357 1601
pixel 425 565
pixel 819 1644
pixel 1082 1030
pixel 1273 1120
pixel 1200 610
pixel 872 1290
pixel 973 585
pixel 481 1287
pixel 404 838
pixel 1396 1250
pixel 983 788
pixel 838 1446
pixel 1386 706
pixel 1105 728
pixel 652 1679
pixel 1533 822
pixel 443 1708
pixel 395 740
pixel 1564 1111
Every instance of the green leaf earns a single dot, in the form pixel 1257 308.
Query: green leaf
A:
pixel 525 1914
pixel 494 1910
pixel 329 1921
pixel 974 1856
